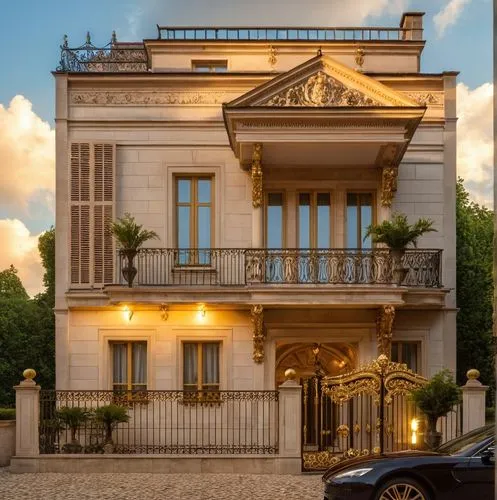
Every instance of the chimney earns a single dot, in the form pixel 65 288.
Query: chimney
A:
pixel 412 25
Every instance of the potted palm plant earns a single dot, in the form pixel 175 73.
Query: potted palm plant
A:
pixel 436 399
pixel 397 234
pixel 109 416
pixel 73 418
pixel 130 236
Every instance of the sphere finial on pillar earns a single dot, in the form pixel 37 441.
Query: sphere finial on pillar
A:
pixel 29 374
pixel 473 374
pixel 290 374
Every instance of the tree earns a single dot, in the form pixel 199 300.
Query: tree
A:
pixel 474 225
pixel 10 284
pixel 46 247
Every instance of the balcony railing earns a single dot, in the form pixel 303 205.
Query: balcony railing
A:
pixel 239 267
pixel 274 34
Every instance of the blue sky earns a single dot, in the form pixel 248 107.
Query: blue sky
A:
pixel 458 34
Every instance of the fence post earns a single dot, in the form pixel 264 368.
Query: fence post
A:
pixel 27 415
pixel 473 402
pixel 290 421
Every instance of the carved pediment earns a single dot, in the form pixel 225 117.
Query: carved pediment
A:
pixel 320 90
pixel 323 82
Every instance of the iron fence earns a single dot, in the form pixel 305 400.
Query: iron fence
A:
pixel 165 422
pixel 288 33
pixel 242 267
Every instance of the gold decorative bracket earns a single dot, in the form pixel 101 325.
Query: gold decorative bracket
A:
pixel 257 176
pixel 164 312
pixel 388 185
pixel 272 59
pixel 259 335
pixel 384 329
pixel 359 58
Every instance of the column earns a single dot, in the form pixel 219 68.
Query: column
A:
pixel 27 415
pixel 473 402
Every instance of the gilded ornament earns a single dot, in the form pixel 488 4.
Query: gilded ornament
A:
pixel 343 430
pixel 320 90
pixel 256 173
pixel 388 185
pixel 272 59
pixel 29 374
pixel 357 428
pixel 120 98
pixel 473 374
pixel 164 312
pixel 359 58
pixel 427 98
pixel 384 329
pixel 368 428
pixel 290 374
pixel 258 332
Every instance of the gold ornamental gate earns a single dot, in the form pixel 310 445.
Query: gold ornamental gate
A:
pixel 364 411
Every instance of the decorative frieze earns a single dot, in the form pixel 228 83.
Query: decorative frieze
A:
pixel 256 173
pixel 259 334
pixel 388 185
pixel 427 98
pixel 152 98
pixel 384 329
pixel 320 90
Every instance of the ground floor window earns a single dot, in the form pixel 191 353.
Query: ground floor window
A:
pixel 407 353
pixel 129 366
pixel 201 366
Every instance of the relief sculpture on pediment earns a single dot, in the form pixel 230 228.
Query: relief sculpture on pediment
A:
pixel 321 90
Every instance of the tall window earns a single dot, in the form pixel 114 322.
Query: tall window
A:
pixel 194 218
pixel 274 220
pixel 201 366
pixel 407 353
pixel 359 217
pixel 314 220
pixel 129 366
pixel 216 66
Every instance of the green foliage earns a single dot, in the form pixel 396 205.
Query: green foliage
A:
pixel 73 417
pixel 7 413
pixel 109 416
pixel 11 285
pixel 27 327
pixel 439 396
pixel 130 235
pixel 475 234
pixel 46 247
pixel 397 233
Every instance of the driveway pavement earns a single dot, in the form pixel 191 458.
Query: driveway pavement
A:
pixel 158 486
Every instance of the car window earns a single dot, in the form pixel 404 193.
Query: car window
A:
pixel 489 447
pixel 461 444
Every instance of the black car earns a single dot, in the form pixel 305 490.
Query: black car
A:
pixel 460 469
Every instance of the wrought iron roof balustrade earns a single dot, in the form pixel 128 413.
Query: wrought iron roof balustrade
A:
pixel 113 57
pixel 166 422
pixel 273 34
pixel 240 267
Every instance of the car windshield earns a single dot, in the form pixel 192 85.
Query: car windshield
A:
pixel 459 445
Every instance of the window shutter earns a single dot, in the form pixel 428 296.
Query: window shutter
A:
pixel 92 169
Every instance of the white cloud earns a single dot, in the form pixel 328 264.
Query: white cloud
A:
pixel 448 15
pixel 475 140
pixel 27 155
pixel 20 248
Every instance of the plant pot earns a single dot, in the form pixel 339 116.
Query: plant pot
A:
pixel 433 439
pixel 129 270
pixel 399 272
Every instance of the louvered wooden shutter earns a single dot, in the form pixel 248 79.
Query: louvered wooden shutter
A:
pixel 92 168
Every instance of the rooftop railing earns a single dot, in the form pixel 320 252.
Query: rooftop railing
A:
pixel 288 34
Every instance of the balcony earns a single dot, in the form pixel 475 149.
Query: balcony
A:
pixel 279 268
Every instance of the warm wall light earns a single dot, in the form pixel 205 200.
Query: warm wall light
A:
pixel 128 313
pixel 201 312
pixel 414 431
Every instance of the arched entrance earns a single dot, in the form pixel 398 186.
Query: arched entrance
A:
pixel 312 362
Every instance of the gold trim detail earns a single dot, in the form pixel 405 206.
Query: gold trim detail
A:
pixel 272 59
pixel 388 185
pixel 384 329
pixel 257 176
pixel 150 98
pixel 320 90
pixel 343 430
pixel 257 317
pixel 164 312
pixel 359 58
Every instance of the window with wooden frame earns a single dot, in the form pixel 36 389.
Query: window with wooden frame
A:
pixel 210 66
pixel 129 366
pixel 314 220
pixel 359 215
pixel 274 220
pixel 194 219
pixel 407 353
pixel 201 367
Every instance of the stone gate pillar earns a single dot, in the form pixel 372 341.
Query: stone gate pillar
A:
pixel 473 402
